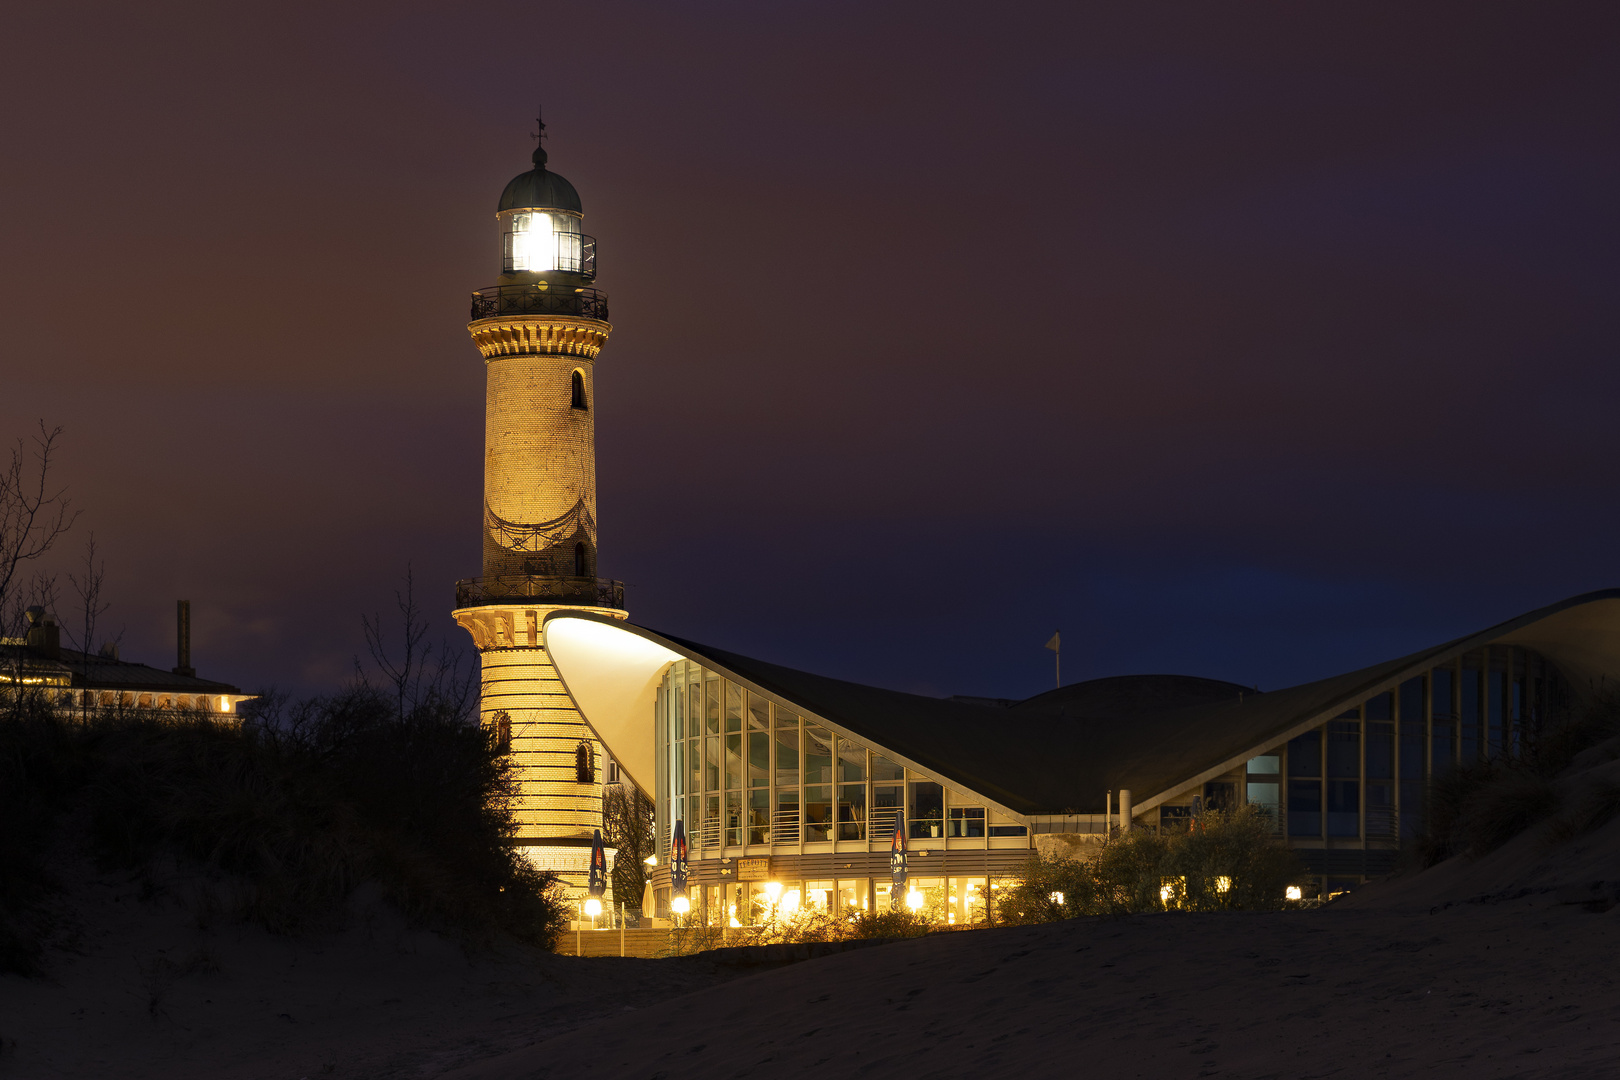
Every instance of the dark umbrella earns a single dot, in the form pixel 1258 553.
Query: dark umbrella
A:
pixel 897 860
pixel 598 880
pixel 677 862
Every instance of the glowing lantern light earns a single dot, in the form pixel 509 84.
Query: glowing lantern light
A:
pixel 914 900
pixel 1294 892
pixel 593 907
pixel 680 905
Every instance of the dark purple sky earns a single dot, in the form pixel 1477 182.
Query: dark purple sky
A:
pixel 1253 341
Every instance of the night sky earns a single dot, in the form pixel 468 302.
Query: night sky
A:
pixel 1253 341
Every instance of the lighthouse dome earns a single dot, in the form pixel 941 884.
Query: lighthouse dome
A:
pixel 539 189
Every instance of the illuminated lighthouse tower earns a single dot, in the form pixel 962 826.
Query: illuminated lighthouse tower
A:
pixel 539 330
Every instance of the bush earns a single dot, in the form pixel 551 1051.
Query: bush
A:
pixel 1227 861
pixel 295 807
pixel 1477 807
pixel 804 925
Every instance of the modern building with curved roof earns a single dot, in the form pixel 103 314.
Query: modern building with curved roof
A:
pixel 785 776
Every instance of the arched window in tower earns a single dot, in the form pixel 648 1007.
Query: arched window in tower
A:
pixel 579 390
pixel 585 763
pixel 579 560
pixel 502 723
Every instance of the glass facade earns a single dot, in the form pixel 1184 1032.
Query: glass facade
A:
pixel 1364 774
pixel 741 772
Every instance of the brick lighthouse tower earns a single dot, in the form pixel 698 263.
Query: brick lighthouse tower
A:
pixel 540 328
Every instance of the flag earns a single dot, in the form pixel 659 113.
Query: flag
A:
pixel 1054 643
pixel 598 879
pixel 897 860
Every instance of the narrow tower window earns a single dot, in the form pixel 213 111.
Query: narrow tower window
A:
pixel 579 390
pixel 579 560
pixel 584 764
pixel 503 731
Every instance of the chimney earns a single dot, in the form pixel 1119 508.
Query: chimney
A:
pixel 44 636
pixel 183 637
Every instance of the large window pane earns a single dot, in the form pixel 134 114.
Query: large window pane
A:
pixel 694 762
pixel 1268 797
pixel 1305 754
pixel 1344 749
pixel 1496 698
pixel 734 705
pixel 1380 751
pixel 852 812
pixel 1344 807
pixel 1413 794
pixel 887 801
pixel 1380 810
pixel 759 816
pixel 711 705
pixel 787 754
pixel 785 822
pixel 851 762
pixel 1442 747
pixel 1444 680
pixel 734 762
pixel 1304 807
pixel 711 762
pixel 759 713
pixel 927 809
pixel 818 812
pixel 818 756
pixel 966 821
pixel 759 759
pixel 1473 717
pixel 734 819
pixel 884 770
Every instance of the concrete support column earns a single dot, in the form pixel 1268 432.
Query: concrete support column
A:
pixel 1124 809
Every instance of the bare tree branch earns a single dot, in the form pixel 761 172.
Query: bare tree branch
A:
pixel 422 672
pixel 34 513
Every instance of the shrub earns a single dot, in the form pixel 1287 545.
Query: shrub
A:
pixel 1477 807
pixel 1228 860
pixel 296 806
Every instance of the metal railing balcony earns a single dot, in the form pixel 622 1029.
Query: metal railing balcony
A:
pixel 582 591
pixel 496 300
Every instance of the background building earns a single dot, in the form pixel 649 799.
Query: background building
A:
pixel 783 776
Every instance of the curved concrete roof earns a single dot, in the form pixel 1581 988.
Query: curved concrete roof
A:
pixel 1061 751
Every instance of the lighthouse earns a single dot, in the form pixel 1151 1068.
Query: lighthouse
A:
pixel 540 328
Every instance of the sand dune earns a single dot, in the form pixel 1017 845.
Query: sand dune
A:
pixel 1489 968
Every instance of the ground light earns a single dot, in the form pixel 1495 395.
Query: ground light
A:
pixel 1223 884
pixel 1057 898
pixel 773 889
pixel 593 907
pixel 1293 892
pixel 914 900
pixel 680 905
